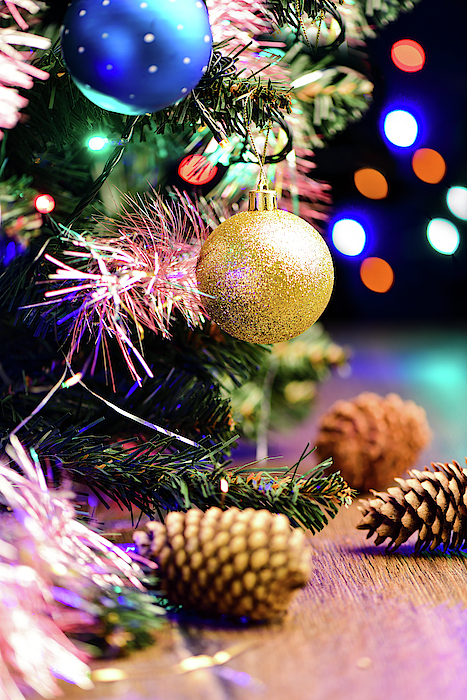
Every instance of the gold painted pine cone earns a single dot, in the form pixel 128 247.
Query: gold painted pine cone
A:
pixel 372 438
pixel 434 503
pixel 235 562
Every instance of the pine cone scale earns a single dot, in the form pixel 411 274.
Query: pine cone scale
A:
pixel 431 503
pixel 244 563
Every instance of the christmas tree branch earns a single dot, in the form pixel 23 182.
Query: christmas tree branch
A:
pixel 159 475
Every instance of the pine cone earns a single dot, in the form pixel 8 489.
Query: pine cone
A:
pixel 372 439
pixel 434 503
pixel 236 562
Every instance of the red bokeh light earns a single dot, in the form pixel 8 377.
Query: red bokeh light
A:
pixel 44 203
pixel 197 170
pixel 408 55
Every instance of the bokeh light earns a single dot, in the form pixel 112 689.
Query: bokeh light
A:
pixel 428 165
pixel 443 236
pixel 377 275
pixel 408 55
pixel 197 170
pixel 109 675
pixel 371 183
pixel 44 203
pixel 456 199
pixel 400 128
pixel 348 236
pixel 97 143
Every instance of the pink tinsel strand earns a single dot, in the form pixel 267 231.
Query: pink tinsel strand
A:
pixel 14 67
pixel 140 269
pixel 48 548
pixel 240 22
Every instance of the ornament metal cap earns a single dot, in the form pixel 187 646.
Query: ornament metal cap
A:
pixel 262 199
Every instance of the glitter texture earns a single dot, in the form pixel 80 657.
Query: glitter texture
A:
pixel 268 276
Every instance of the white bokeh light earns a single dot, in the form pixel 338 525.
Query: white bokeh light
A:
pixel 456 199
pixel 348 236
pixel 443 236
pixel 401 128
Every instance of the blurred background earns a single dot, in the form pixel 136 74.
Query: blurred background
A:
pixel 429 286
pixel 403 321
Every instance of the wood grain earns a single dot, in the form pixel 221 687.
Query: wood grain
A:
pixel 369 626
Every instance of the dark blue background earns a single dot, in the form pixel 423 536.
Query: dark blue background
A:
pixel 428 285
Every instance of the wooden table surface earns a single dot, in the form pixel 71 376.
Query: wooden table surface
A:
pixel 369 626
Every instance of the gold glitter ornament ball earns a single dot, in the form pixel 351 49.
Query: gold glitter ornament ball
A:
pixel 268 275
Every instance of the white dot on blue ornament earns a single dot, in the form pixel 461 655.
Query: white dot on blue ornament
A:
pixel 132 97
pixel 82 13
pixel 67 31
pixel 148 38
pixel 187 60
pixel 81 49
pixel 109 66
pixel 104 35
pixel 184 90
pixel 106 2
pixel 152 69
pixel 143 5
pixel 199 4
pixel 180 27
pixel 207 38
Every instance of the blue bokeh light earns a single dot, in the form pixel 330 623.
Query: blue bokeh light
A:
pixel 348 236
pixel 400 128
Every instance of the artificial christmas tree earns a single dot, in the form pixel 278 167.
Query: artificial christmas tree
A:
pixel 113 376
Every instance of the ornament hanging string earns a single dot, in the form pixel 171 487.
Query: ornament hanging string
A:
pixel 328 7
pixel 261 159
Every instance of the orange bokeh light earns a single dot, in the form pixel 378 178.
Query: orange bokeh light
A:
pixel 371 183
pixel 408 55
pixel 429 165
pixel 377 275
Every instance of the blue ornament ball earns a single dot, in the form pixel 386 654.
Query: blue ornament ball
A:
pixel 135 57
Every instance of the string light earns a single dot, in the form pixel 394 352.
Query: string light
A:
pixel 400 128
pixel 443 236
pixel 197 170
pixel 348 236
pixel 408 55
pixel 456 199
pixel 44 203
pixel 97 143
pixel 428 165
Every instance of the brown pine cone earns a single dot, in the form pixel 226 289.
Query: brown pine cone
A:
pixel 235 562
pixel 372 438
pixel 434 503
